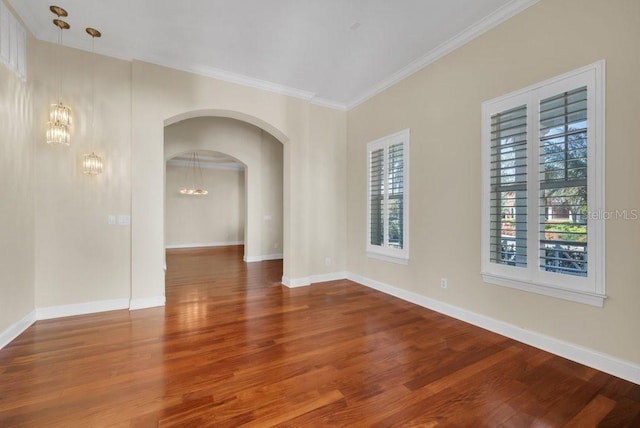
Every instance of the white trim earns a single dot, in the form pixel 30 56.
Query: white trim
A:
pixel 146 302
pixel 489 22
pixel 296 282
pixel 496 18
pixel 553 291
pixel 324 277
pixel 17 328
pixel 313 279
pixel 323 102
pixel 384 251
pixel 592 288
pixel 50 312
pixel 597 360
pixel 253 259
pixel 203 244
pixel 231 77
pixel 390 259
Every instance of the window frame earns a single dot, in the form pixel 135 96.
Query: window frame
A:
pixel 384 251
pixel 589 289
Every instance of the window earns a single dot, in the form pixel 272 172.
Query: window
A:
pixel 388 202
pixel 12 43
pixel 543 177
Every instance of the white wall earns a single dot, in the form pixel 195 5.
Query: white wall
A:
pixel 216 218
pixel 79 257
pixel 441 105
pixel 18 137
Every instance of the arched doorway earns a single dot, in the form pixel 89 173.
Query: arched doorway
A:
pixel 147 237
pixel 262 157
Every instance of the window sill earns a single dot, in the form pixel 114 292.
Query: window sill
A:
pixel 561 293
pixel 386 258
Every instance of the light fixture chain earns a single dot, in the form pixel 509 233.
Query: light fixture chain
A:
pixel 93 93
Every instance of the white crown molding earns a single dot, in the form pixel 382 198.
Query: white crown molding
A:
pixel 504 13
pixel 231 77
pixel 146 302
pixel 597 360
pixel 17 328
pixel 203 245
pixel 81 308
pixel 323 102
pixel 496 18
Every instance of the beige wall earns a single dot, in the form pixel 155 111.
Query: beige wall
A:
pixel 262 156
pixel 79 257
pixel 18 135
pixel 213 219
pixel 441 105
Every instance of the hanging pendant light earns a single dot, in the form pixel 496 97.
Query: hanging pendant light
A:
pixel 195 173
pixel 58 129
pixel 92 163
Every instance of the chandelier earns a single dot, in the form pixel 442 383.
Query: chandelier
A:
pixel 194 177
pixel 92 163
pixel 59 114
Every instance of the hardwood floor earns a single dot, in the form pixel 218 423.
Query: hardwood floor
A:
pixel 234 347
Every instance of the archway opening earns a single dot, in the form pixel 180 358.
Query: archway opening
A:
pixel 251 162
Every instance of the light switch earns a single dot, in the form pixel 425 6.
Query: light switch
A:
pixel 111 219
pixel 124 219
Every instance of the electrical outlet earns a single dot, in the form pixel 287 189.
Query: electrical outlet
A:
pixel 443 283
pixel 327 261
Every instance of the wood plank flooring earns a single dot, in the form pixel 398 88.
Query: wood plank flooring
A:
pixel 233 347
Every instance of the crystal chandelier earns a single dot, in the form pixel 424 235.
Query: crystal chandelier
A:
pixel 59 114
pixel 92 163
pixel 195 173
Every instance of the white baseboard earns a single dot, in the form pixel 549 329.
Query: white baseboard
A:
pixel 51 312
pixel 203 244
pixel 146 302
pixel 17 328
pixel 588 357
pixel 333 276
pixel 81 308
pixel 251 259
pixel 308 280
pixel 296 282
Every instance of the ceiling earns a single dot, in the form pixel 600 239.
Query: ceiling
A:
pixel 332 52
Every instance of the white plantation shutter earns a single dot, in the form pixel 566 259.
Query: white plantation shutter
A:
pixel 543 178
pixel 563 183
pixel 387 166
pixel 376 197
pixel 509 187
pixel 395 195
